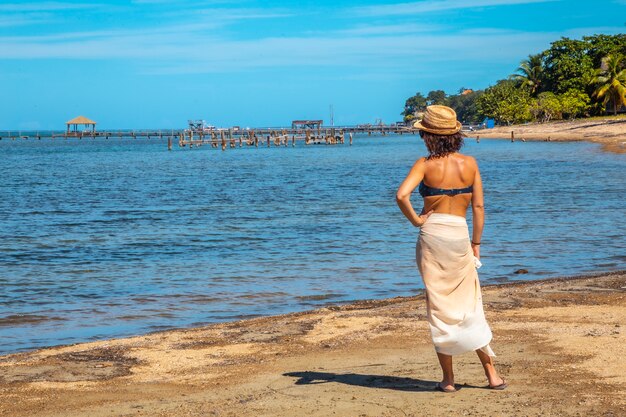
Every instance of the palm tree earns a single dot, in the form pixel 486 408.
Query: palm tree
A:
pixel 611 80
pixel 531 73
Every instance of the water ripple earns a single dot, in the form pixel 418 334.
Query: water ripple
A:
pixel 101 241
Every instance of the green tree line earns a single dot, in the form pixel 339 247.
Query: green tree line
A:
pixel 573 78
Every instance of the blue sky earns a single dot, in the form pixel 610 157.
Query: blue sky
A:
pixel 156 63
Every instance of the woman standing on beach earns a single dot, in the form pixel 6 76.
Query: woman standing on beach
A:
pixel 446 257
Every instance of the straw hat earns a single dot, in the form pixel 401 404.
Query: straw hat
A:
pixel 440 120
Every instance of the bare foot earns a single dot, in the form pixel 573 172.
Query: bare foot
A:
pixel 497 383
pixel 446 386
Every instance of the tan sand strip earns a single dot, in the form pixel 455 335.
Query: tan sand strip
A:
pixel 608 131
pixel 560 344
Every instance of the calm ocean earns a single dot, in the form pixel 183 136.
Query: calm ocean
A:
pixel 107 238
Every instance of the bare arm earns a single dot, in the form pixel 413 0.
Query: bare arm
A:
pixel 478 213
pixel 403 196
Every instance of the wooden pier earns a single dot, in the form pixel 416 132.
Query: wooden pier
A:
pixel 122 134
pixel 232 138
pixel 229 137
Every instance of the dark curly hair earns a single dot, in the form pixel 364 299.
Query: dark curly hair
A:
pixel 441 145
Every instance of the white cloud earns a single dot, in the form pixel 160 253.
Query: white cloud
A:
pixel 242 13
pixel 384 29
pixel 170 51
pixel 46 6
pixel 187 2
pixel 42 14
pixel 196 46
pixel 187 21
pixel 24 20
pixel 434 6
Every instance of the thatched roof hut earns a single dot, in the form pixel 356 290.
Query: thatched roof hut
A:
pixel 81 120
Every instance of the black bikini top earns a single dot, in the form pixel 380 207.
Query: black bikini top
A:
pixel 427 191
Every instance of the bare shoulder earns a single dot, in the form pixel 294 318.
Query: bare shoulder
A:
pixel 420 162
pixel 469 160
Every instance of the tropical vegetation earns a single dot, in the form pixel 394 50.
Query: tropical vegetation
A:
pixel 611 82
pixel 573 78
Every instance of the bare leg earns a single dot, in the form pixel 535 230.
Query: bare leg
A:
pixel 490 370
pixel 445 361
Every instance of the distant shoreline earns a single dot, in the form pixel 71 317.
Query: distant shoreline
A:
pixel 609 131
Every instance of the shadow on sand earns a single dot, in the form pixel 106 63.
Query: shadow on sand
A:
pixel 369 381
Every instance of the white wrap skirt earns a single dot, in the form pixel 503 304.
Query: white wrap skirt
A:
pixel 453 298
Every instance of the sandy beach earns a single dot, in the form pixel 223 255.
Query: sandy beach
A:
pixel 609 131
pixel 560 344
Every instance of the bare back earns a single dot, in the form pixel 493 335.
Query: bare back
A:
pixel 452 171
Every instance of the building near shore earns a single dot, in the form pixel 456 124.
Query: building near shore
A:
pixel 306 124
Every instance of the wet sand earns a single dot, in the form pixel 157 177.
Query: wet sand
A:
pixel 609 131
pixel 560 345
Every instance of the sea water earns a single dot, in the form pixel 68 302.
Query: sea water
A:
pixel 107 238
